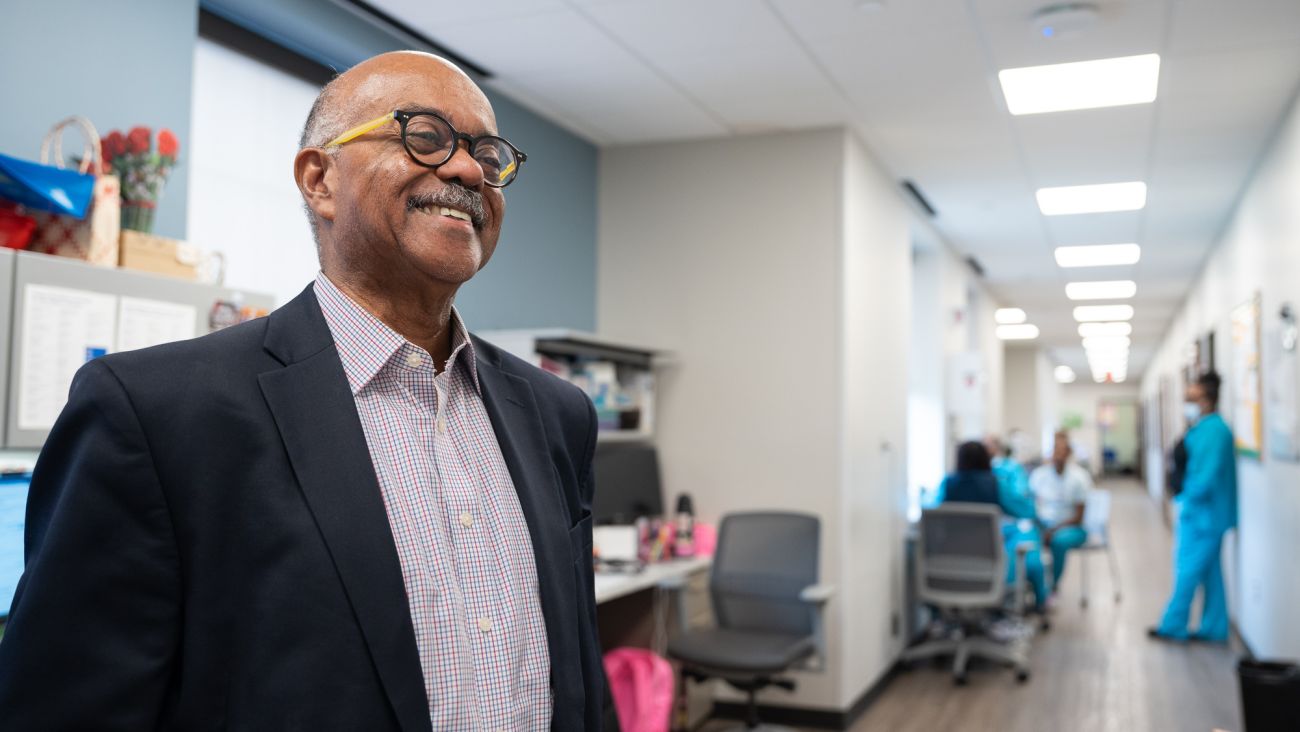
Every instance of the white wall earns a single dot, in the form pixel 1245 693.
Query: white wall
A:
pixel 1258 253
pixel 1084 399
pixel 242 199
pixel 784 296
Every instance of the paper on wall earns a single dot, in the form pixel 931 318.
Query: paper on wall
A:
pixel 62 329
pixel 142 323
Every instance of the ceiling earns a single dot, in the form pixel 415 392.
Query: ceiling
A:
pixel 918 80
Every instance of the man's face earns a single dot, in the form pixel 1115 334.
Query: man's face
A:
pixel 1196 395
pixel 1060 452
pixel 390 217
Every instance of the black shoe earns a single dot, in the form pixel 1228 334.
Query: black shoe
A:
pixel 1155 634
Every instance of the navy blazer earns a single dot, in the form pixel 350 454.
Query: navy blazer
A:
pixel 207 546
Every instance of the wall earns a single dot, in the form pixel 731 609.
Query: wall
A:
pixel 544 270
pixel 118 66
pixel 1084 399
pixel 1031 395
pixel 785 307
pixel 1259 252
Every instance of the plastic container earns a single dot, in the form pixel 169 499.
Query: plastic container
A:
pixel 1270 695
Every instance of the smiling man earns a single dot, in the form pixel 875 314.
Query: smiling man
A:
pixel 349 515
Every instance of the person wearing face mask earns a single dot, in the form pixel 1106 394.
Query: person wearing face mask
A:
pixel 1208 508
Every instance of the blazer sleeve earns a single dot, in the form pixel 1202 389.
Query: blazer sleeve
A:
pixel 597 697
pixel 93 630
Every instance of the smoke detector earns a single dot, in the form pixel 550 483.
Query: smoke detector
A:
pixel 1065 19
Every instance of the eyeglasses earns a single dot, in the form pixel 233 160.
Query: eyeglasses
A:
pixel 430 140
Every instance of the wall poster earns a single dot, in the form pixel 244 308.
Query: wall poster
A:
pixel 1247 382
pixel 1283 392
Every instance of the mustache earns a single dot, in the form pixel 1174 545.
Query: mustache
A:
pixel 452 195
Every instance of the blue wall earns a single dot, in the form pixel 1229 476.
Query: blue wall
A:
pixel 544 269
pixel 120 64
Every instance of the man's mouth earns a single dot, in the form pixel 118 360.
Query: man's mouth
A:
pixel 453 213
pixel 452 202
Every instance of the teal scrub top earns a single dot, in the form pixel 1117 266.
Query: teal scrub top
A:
pixel 1209 496
pixel 1013 488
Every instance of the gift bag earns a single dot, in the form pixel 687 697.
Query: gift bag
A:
pixel 93 237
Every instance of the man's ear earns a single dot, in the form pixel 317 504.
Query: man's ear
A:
pixel 314 172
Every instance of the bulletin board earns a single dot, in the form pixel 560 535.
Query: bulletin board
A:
pixel 1283 386
pixel 1247 380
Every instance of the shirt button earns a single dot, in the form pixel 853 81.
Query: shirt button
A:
pixel 413 360
pixel 442 425
pixel 485 624
pixel 466 520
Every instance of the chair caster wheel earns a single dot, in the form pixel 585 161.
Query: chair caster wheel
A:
pixel 1045 626
pixel 1084 603
pixel 1022 677
pixel 959 680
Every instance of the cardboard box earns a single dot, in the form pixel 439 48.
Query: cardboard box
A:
pixel 160 255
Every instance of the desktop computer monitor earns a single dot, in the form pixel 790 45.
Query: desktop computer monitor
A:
pixel 13 513
pixel 627 482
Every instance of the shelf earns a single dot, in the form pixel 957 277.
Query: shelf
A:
pixel 622 435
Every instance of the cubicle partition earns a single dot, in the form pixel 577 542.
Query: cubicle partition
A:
pixel 58 313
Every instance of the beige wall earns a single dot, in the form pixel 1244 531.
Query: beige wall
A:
pixel 784 297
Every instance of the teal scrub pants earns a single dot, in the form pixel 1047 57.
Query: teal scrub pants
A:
pixel 1196 564
pixel 1065 539
pixel 1034 571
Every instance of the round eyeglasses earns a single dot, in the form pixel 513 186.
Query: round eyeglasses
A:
pixel 431 141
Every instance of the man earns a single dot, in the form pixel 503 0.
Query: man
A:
pixel 1060 493
pixel 1208 508
pixel 349 515
pixel 1013 481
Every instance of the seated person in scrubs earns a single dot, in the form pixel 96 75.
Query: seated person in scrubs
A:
pixel 1060 490
pixel 1013 481
pixel 1207 509
pixel 974 481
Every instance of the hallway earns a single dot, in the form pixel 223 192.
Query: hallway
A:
pixel 1095 670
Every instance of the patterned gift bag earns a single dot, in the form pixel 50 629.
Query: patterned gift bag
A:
pixel 95 237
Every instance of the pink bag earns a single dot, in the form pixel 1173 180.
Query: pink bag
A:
pixel 641 683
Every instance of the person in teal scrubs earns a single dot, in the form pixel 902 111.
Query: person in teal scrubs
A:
pixel 1208 508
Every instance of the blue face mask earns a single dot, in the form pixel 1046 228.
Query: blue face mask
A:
pixel 1192 411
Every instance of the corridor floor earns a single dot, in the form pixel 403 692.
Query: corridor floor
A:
pixel 1095 670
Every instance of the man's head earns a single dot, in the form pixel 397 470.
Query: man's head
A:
pixel 994 445
pixel 1061 450
pixel 378 214
pixel 1204 392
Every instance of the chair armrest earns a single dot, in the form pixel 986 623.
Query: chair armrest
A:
pixel 819 594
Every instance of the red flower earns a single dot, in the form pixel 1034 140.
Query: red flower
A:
pixel 113 145
pixel 168 145
pixel 137 140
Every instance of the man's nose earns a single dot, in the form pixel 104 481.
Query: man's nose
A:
pixel 462 167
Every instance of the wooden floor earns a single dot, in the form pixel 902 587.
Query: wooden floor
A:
pixel 1095 670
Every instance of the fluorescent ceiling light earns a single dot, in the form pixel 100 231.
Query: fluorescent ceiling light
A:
pixel 1103 313
pixel 1065 375
pixel 1107 82
pixel 1021 332
pixel 1101 198
pixel 1009 316
pixel 1092 330
pixel 1118 290
pixel 1106 343
pixel 1102 255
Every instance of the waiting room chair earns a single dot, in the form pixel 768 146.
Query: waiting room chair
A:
pixel 961 567
pixel 767 606
pixel 1096 521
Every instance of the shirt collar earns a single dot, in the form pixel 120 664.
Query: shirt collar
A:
pixel 366 344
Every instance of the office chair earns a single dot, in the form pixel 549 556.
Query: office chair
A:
pixel 961 570
pixel 767 606
pixel 1096 521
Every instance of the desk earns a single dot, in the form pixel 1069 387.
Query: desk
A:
pixel 613 585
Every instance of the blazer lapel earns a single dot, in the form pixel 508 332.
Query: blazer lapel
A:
pixel 317 418
pixel 519 431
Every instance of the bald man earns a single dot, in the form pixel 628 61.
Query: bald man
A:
pixel 349 515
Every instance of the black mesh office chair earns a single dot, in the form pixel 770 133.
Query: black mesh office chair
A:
pixel 766 604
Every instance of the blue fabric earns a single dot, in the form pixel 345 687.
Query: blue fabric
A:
pixel 1208 509
pixel 970 486
pixel 1013 488
pixel 1065 539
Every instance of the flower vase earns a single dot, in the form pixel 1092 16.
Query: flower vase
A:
pixel 138 216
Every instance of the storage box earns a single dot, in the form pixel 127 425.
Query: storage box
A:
pixel 160 255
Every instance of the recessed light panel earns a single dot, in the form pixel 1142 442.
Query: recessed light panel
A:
pixel 1093 330
pixel 1100 198
pixel 1009 316
pixel 1103 313
pixel 1118 290
pixel 1107 82
pixel 1102 255
pixel 1065 375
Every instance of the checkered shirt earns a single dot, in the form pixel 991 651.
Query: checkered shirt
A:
pixel 466 556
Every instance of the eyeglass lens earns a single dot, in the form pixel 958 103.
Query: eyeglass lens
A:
pixel 432 141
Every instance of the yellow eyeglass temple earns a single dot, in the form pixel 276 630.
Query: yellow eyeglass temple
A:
pixel 360 130
pixel 506 171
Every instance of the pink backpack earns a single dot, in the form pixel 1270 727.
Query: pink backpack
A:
pixel 641 683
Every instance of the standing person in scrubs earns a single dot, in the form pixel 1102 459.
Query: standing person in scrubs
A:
pixel 1208 508
pixel 1060 491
